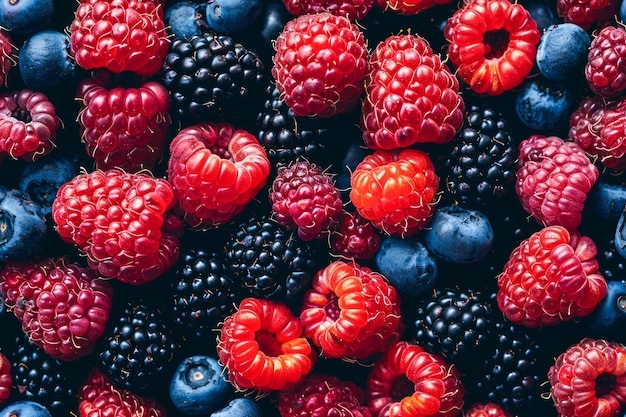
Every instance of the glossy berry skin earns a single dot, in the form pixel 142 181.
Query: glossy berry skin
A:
pixel 182 19
pixel 492 44
pixel 25 409
pixel 352 9
pixel 25 17
pixel 620 234
pixel 562 52
pixel 395 190
pixel 412 97
pixel 263 347
pixel 355 237
pixel 607 201
pixel 588 379
pixel 604 69
pixel 410 7
pixel 240 407
pixel 610 315
pixel 543 105
pixel 320 63
pixel 231 16
pixel 586 13
pixel 215 170
pixel 6 378
pixel 22 226
pixel 198 386
pixel 434 387
pixel 486 410
pixel 8 52
pixel 127 35
pixel 551 277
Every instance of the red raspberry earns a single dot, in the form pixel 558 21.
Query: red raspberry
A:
pixel 354 238
pixel 123 127
pixel 551 277
pixel 553 180
pixel 122 222
pixel 352 9
pixel 6 379
pixel 320 63
pixel 323 395
pixel 411 96
pixel 28 124
pixel 351 312
pixel 63 307
pixel 493 43
pixel 411 7
pixel 587 13
pixel 486 410
pixel 395 190
pixel 215 170
pixel 589 379
pixel 263 348
pixel 8 56
pixel 99 397
pixel 604 69
pixel 119 35
pixel 409 382
pixel 303 197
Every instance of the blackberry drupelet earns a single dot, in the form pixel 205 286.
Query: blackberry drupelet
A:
pixel 269 261
pixel 138 347
pixel 211 76
pixel 480 166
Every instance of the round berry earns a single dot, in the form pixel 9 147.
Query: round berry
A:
pixel 543 105
pixel 562 52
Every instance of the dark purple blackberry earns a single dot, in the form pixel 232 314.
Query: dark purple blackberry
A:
pixel 480 165
pixel 211 76
pixel 138 347
pixel 269 261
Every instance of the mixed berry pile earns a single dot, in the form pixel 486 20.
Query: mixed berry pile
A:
pixel 322 208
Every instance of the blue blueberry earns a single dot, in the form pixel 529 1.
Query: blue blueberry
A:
pixel 25 16
pixel 25 409
pixel 562 52
pixel 45 63
pixel 607 200
pixel 240 407
pixel 543 13
pixel 22 226
pixel 610 315
pixel 182 19
pixel 459 235
pixel 408 265
pixel 622 11
pixel 544 105
pixel 197 386
pixel 232 16
pixel 274 17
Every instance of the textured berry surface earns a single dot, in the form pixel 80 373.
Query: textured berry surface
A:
pixel 5 378
pixel 586 13
pixel 604 63
pixel 352 9
pixel 355 237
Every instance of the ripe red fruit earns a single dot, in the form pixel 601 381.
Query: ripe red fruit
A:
pixel 215 171
pixel 320 63
pixel 123 127
pixel 551 277
pixel 119 35
pixel 395 190
pixel 604 69
pixel 8 56
pixel 589 379
pixel 122 222
pixel 493 44
pixel 587 13
pixel 486 410
pixel 6 379
pixel 407 381
pixel 411 96
pixel 63 307
pixel 554 178
pixel 351 312
pixel 411 6
pixel 355 237
pixel 352 9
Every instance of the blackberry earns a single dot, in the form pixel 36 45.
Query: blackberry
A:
pixel 138 347
pixel 211 76
pixel 480 166
pixel 269 261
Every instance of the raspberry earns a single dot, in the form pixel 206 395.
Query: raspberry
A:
pixel 551 277
pixel 303 197
pixel 28 124
pixel 486 410
pixel 603 70
pixel 119 35
pixel 354 238
pixel 351 311
pixel 589 379
pixel 6 379
pixel 411 96
pixel 493 43
pixel 263 348
pixel 395 190
pixel 406 381
pixel 351 9
pixel 411 7
pixel 8 56
pixel 323 395
pixel 215 171
pixel 123 127
pixel 553 180
pixel 320 63
pixel 63 307
pixel 122 222
pixel 586 13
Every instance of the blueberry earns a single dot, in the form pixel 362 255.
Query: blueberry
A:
pixel 407 264
pixel 22 226
pixel 240 407
pixel 459 235
pixel 45 62
pixel 273 18
pixel 607 200
pixel 562 52
pixel 544 105
pixel 622 11
pixel 25 16
pixel 25 409
pixel 181 19
pixel 232 16
pixel 543 13
pixel 610 315
pixel 197 386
